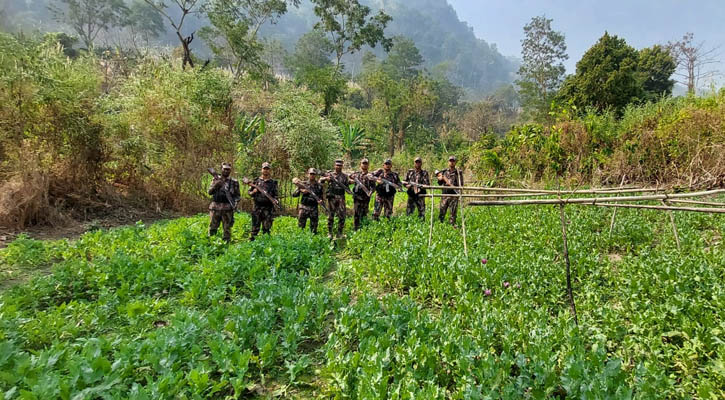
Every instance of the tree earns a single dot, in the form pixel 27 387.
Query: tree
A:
pixel 404 60
pixel 311 66
pixel 232 35
pixel 606 77
pixel 656 67
pixel 88 18
pixel 693 61
pixel 313 50
pixel 542 69
pixel 349 27
pixel 186 8
pixel 141 24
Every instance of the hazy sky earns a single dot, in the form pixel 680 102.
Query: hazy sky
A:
pixel 641 22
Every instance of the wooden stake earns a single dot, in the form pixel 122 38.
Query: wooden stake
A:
pixel 430 231
pixel 569 290
pixel 614 212
pixel 463 218
pixel 674 227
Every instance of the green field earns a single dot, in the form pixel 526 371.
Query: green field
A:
pixel 162 311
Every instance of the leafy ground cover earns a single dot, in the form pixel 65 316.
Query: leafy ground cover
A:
pixel 165 312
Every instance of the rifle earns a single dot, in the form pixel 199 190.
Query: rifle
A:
pixel 416 186
pixel 327 175
pixel 264 192
pixel 226 191
pixel 364 188
pixel 446 180
pixel 301 185
pixel 387 182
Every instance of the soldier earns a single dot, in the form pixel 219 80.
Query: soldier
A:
pixel 308 205
pixel 339 181
pixel 363 189
pixel 450 177
pixel 225 196
pixel 263 211
pixel 387 180
pixel 416 194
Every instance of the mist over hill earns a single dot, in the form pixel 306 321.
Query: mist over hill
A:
pixel 448 45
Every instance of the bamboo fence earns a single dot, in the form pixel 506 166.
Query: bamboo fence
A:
pixel 615 198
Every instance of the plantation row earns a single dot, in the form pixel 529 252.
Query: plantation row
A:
pixel 166 312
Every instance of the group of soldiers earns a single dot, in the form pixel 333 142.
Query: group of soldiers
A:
pixel 384 182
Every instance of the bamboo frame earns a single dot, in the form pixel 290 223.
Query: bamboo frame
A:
pixel 597 200
pixel 668 208
pixel 543 191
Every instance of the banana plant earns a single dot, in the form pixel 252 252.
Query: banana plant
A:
pixel 353 139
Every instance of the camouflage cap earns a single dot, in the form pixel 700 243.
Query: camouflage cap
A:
pixel 452 158
pixel 338 162
pixel 312 171
pixel 266 165
pixel 364 161
pixel 388 161
pixel 418 159
pixel 226 165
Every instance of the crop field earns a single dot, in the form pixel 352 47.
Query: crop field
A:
pixel 162 311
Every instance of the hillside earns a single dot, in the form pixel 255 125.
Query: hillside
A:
pixel 447 44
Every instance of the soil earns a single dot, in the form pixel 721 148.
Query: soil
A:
pixel 74 228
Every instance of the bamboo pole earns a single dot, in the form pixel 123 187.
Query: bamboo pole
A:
pixel 489 196
pixel 674 227
pixel 614 212
pixel 569 290
pixel 552 192
pixel 430 231
pixel 463 218
pixel 703 203
pixel 650 207
pixel 595 200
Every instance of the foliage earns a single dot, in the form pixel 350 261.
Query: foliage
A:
pixel 232 35
pixel 656 67
pixel 612 75
pixel 349 27
pixel 156 313
pixel 678 141
pixel 163 311
pixel 307 139
pixel 353 140
pixel 542 69
pixel 88 18
pixel 404 60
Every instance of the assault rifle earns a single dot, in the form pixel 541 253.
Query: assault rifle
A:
pixel 226 190
pixel 363 187
pixel 274 201
pixel 446 180
pixel 416 186
pixel 302 185
pixel 387 182
pixel 327 174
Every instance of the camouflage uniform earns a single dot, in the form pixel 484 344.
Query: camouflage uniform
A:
pixel 263 211
pixel 416 195
pixel 308 208
pixel 220 211
pixel 336 202
pixel 450 202
pixel 361 201
pixel 385 194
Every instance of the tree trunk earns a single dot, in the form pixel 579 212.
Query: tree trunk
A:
pixel 392 141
